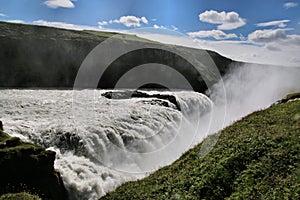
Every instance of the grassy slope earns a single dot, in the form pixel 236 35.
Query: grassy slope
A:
pixel 19 196
pixel 39 56
pixel 258 157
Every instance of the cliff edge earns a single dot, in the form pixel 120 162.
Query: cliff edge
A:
pixel 25 167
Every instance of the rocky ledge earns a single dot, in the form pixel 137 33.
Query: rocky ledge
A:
pixel 127 94
pixel 28 167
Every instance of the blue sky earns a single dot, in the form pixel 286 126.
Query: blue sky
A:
pixel 183 14
pixel 265 23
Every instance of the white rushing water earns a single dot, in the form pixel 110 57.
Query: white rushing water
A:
pixel 117 140
pixel 102 143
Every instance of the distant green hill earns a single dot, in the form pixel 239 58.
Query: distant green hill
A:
pixel 257 157
pixel 39 56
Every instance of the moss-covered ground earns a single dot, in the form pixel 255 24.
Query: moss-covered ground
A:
pixel 19 196
pixel 27 169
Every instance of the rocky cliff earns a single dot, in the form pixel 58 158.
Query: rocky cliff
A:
pixel 28 167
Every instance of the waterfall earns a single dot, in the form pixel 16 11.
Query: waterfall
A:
pixel 110 142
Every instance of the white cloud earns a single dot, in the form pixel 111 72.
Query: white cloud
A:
pixel 217 34
pixel 2 15
pixel 293 40
pixel 73 26
pixel 276 54
pixel 64 25
pixel 174 28
pixel 16 21
pixel 157 26
pixel 242 37
pixel 103 23
pixel 144 20
pixel 130 21
pixel 59 3
pixel 227 21
pixel 267 35
pixel 279 23
pixel 290 5
pixel 285 53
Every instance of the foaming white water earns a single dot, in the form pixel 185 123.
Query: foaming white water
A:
pixel 102 143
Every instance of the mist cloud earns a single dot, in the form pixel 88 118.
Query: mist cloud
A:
pixel 252 87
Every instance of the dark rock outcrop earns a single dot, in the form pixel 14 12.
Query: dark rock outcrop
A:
pixel 289 97
pixel 28 167
pixel 138 94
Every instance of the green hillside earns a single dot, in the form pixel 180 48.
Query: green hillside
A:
pixel 257 157
pixel 39 56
